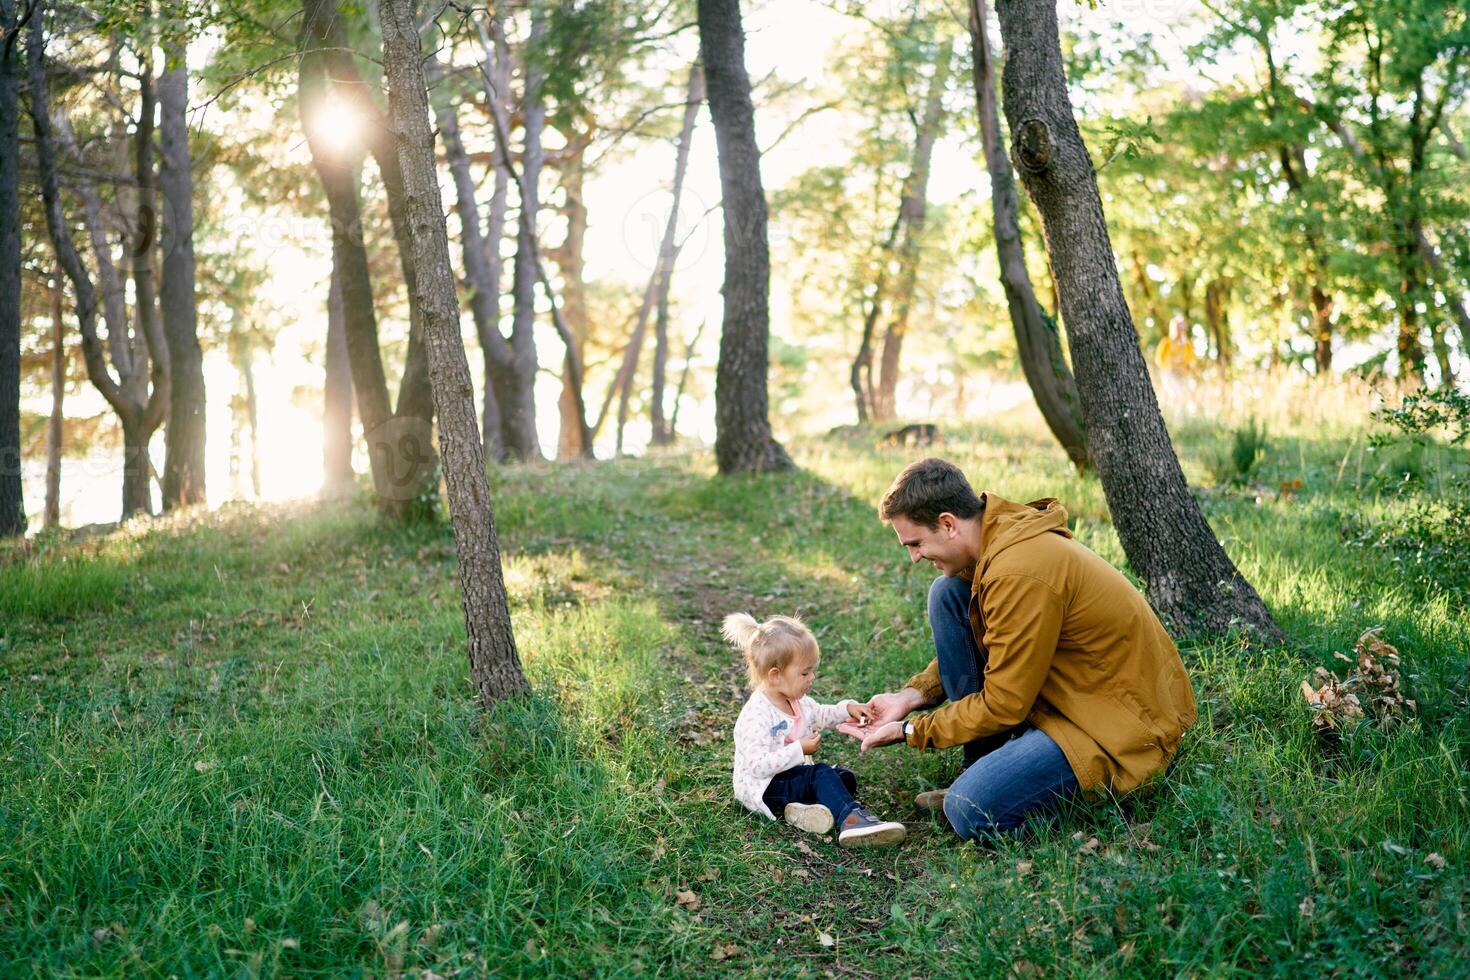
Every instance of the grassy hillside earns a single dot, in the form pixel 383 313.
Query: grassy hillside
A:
pixel 244 743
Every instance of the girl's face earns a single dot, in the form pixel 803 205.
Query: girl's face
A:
pixel 795 679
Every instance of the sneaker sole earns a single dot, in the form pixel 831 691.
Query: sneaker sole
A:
pixel 810 817
pixel 879 836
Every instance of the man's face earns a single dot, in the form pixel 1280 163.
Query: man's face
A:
pixel 940 545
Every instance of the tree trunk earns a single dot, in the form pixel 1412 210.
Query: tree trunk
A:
pixel 663 434
pixel 568 258
pixel 481 256
pixel 1217 319
pixel 860 376
pixel 139 408
pixel 1037 342
pixel 495 73
pixel 1321 327
pixel 1191 581
pixel 517 385
pixel 1411 351
pixel 913 209
pixel 183 468
pixel 395 446
pixel 52 513
pixel 684 377
pixel 12 500
pixel 494 664
pixel 1453 292
pixel 245 364
pixel 743 440
pixel 337 474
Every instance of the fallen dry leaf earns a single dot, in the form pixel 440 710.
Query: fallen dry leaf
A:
pixel 1092 846
pixel 688 899
pixel 1308 907
pixel 1435 860
pixel 725 952
pixel 805 848
pixel 1336 705
pixel 204 766
pixel 1023 868
pixel 825 938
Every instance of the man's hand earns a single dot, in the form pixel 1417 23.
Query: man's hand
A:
pixel 892 706
pixel 810 744
pixel 885 734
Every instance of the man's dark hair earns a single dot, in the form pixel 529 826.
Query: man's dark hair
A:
pixel 928 488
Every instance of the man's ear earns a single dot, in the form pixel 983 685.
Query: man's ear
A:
pixel 949 524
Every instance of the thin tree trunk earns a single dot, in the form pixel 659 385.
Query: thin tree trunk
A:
pixel 861 374
pixel 245 364
pixel 1411 351
pixel 481 257
pixel 913 209
pixel 12 499
pixel 1217 318
pixel 1191 581
pixel 684 378
pixel 1037 342
pixel 52 513
pixel 495 73
pixel 743 440
pixel 663 434
pixel 337 474
pixel 494 663
pixel 518 384
pixel 1458 309
pixel 183 468
pixel 568 258
pixel 137 465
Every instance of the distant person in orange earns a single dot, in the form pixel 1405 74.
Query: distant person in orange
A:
pixel 1175 359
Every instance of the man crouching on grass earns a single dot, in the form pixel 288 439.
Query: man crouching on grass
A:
pixel 1059 676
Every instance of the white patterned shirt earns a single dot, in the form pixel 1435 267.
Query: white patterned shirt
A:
pixel 768 741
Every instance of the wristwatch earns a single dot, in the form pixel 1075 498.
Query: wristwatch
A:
pixel 908 729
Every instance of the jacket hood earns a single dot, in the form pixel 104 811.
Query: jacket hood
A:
pixel 1006 523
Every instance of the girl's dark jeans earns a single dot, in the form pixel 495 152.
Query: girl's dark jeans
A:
pixel 830 786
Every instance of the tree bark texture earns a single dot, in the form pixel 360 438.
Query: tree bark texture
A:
pixel 337 472
pixel 1037 342
pixel 12 499
pixel 1191 582
pixel 52 513
pixel 743 440
pixel 140 393
pixel 183 468
pixel 913 210
pixel 662 434
pixel 495 72
pixel 517 386
pixel 494 663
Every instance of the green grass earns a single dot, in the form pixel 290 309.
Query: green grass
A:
pixel 244 743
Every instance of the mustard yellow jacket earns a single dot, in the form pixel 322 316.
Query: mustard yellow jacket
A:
pixel 1071 647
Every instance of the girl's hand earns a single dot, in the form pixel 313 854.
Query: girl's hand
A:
pixel 810 744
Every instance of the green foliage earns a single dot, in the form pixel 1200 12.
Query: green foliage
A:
pixel 1247 448
pixel 1419 416
pixel 259 754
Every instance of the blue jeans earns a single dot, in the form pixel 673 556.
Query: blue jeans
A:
pixel 1010 776
pixel 828 785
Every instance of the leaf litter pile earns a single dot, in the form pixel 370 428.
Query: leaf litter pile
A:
pixel 1372 687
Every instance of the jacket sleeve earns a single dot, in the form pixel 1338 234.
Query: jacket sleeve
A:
pixel 927 682
pixel 1023 619
pixel 763 756
pixel 824 716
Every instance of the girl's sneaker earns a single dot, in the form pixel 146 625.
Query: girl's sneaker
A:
pixel 811 817
pixel 861 829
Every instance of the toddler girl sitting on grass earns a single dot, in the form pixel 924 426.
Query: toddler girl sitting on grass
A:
pixel 778 731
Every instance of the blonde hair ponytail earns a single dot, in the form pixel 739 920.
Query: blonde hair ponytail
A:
pixel 772 644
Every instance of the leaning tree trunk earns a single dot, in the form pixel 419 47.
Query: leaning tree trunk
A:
pixel 912 211
pixel 12 500
pixel 1191 582
pixel 1040 348
pixel 183 468
pixel 337 473
pixel 860 375
pixel 662 434
pixel 743 440
pixel 494 664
